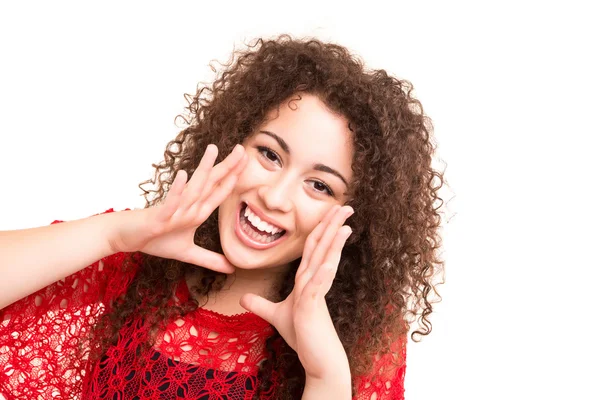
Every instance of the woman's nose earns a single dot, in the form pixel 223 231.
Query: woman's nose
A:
pixel 276 196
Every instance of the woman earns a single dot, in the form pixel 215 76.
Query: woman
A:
pixel 250 279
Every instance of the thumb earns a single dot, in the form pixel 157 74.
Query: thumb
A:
pixel 259 306
pixel 210 259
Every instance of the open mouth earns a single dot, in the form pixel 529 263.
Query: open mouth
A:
pixel 258 231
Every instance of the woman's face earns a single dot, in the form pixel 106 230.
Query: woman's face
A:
pixel 299 166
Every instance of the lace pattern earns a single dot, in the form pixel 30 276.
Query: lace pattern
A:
pixel 203 355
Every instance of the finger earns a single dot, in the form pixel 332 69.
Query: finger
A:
pixel 319 282
pixel 313 238
pixel 304 274
pixel 196 183
pixel 325 273
pixel 217 197
pixel 314 288
pixel 173 196
pixel 228 166
pixel 318 255
pixel 241 164
pixel 259 306
pixel 209 259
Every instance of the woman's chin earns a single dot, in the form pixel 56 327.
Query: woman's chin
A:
pixel 241 258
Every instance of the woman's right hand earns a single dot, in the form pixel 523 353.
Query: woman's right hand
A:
pixel 167 229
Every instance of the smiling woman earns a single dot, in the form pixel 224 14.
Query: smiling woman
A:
pixel 244 277
pixel 286 183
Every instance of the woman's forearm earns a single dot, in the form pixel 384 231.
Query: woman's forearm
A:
pixel 31 259
pixel 339 387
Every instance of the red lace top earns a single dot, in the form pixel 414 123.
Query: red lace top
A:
pixel 203 355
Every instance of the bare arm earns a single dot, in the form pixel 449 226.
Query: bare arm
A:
pixel 31 259
pixel 334 388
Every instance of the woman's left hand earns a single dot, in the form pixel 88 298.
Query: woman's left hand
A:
pixel 303 318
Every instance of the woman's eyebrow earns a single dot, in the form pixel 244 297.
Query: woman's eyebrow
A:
pixel 279 139
pixel 318 167
pixel 325 168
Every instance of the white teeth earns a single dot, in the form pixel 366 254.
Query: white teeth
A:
pixel 254 235
pixel 260 224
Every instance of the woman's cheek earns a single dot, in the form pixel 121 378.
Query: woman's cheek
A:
pixel 253 175
pixel 310 216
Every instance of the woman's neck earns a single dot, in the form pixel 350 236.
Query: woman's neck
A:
pixel 263 282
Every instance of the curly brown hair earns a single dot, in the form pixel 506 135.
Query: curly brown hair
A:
pixel 387 272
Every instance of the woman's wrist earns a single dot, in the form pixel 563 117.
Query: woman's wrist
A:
pixel 123 224
pixel 338 386
pixel 334 383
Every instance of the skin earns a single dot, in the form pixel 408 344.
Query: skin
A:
pixel 287 189
pixel 282 186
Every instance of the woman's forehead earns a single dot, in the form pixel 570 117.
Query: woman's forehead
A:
pixel 310 120
pixel 311 131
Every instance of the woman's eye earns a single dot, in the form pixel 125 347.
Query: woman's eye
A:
pixel 323 188
pixel 268 154
pixel 272 156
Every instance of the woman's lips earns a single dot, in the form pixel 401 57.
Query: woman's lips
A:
pixel 247 240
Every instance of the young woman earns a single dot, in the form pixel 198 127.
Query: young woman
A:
pixel 288 265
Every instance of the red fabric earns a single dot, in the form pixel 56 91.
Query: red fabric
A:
pixel 203 355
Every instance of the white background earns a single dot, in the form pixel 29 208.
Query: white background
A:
pixel 89 93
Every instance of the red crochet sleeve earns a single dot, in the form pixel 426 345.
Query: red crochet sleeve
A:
pixel 386 379
pixel 40 333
